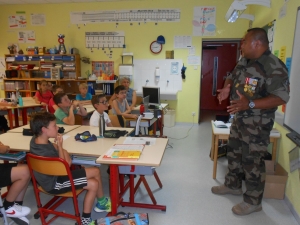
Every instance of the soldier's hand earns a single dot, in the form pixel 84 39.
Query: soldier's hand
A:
pixel 223 93
pixel 238 105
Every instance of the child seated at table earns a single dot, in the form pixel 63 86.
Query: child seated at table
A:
pixel 52 106
pixel 16 176
pixel 100 104
pixel 84 97
pixel 43 126
pixel 43 95
pixel 67 109
pixel 120 105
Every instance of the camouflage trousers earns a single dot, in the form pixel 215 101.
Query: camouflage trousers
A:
pixel 247 147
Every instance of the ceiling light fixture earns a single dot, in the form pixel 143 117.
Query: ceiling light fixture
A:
pixel 237 8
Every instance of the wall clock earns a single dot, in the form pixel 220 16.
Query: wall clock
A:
pixel 155 47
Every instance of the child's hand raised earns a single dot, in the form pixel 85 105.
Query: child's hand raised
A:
pixel 59 140
pixel 75 103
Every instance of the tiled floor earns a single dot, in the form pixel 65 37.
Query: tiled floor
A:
pixel 186 174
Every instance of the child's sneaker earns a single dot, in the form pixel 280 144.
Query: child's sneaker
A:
pixel 20 221
pixel 87 221
pixel 106 207
pixel 17 211
pixel 92 222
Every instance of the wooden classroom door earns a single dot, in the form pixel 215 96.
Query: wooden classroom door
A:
pixel 218 60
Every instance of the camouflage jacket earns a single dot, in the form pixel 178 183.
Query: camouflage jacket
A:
pixel 259 78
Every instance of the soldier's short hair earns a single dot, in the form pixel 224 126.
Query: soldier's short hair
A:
pixel 260 34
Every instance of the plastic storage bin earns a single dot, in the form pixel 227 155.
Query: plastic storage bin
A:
pixel 169 118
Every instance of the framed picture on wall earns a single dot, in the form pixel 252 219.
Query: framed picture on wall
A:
pixel 55 73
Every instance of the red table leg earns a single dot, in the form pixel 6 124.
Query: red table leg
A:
pixel 24 116
pixel 114 188
pixel 16 117
pixel 161 119
pixel 10 118
pixel 154 127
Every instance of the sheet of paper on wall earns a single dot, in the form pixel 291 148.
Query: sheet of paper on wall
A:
pixel 174 68
pixel 140 140
pixel 192 50
pixel 38 19
pixel 182 41
pixel 193 60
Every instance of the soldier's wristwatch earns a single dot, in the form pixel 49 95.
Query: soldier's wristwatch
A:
pixel 251 104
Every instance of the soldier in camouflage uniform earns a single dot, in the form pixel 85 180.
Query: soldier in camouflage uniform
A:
pixel 257 86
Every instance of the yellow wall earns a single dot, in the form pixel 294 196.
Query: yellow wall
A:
pixel 137 38
pixel 284 36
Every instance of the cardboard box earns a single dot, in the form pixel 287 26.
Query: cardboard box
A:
pixel 276 177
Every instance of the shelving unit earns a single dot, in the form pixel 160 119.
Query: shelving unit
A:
pixel 26 80
pixel 28 70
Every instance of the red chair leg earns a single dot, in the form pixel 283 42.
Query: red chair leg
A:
pixel 157 179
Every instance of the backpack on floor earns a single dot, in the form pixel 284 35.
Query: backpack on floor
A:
pixel 122 218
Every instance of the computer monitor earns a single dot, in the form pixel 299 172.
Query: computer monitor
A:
pixel 154 95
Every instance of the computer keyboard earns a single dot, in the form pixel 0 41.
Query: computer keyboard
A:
pixel 151 107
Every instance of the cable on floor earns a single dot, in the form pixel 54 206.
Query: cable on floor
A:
pixel 187 134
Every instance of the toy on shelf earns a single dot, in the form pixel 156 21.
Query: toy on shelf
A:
pixel 61 48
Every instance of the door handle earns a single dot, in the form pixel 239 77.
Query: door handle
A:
pixel 215 77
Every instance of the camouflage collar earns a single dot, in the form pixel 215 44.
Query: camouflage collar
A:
pixel 260 60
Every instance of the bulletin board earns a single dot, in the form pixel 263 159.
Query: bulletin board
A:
pixel 103 69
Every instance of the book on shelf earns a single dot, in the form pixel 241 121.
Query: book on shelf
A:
pixel 124 151
pixel 13 156
pixel 221 124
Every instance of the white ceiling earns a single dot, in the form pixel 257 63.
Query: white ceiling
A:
pixel 14 2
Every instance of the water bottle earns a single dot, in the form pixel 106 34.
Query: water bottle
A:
pixel 17 96
pixel 231 116
pixel 142 109
pixel 20 101
pixel 101 126
pixel 13 97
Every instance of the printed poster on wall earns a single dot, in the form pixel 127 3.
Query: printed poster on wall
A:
pixel 270 29
pixel 204 23
pixel 17 21
pixel 27 36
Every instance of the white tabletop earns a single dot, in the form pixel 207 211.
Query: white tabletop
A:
pixel 151 156
pixel 19 142
pixel 219 131
pixel 16 141
pixel 89 108
pixel 93 148
pixel 66 127
pixel 161 106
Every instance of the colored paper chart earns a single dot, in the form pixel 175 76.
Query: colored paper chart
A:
pixel 104 70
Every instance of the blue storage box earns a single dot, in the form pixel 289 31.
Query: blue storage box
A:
pixel 139 170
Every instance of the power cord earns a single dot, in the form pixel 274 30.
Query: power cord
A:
pixel 187 134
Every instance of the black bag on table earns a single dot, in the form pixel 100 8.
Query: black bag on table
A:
pixel 115 133
pixel 27 132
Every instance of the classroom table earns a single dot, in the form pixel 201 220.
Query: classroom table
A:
pixel 19 142
pixel 143 123
pixel 151 156
pixel 161 119
pixel 89 108
pixel 223 134
pixel 93 148
pixel 66 127
pixel 28 104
